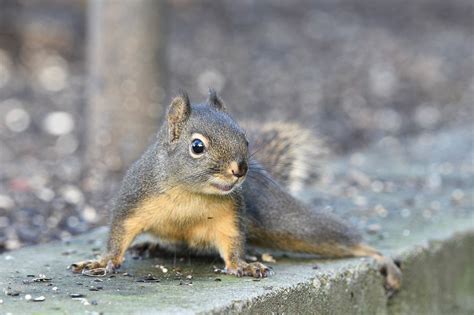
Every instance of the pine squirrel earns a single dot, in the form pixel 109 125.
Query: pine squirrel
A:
pixel 198 185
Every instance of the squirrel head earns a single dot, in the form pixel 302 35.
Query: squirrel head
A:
pixel 207 150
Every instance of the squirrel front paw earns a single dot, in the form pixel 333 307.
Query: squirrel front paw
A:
pixel 254 269
pixel 94 268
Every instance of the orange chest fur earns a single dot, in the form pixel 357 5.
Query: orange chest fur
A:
pixel 195 219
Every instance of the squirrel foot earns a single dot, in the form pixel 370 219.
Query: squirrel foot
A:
pixel 392 273
pixel 388 268
pixel 94 268
pixel 254 269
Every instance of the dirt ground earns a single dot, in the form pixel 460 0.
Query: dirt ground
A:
pixel 357 72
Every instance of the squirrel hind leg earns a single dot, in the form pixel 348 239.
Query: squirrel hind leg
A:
pixel 389 269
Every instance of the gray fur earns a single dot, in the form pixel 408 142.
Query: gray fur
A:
pixel 270 206
pixel 214 100
pixel 167 163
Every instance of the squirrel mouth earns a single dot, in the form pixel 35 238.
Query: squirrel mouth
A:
pixel 223 187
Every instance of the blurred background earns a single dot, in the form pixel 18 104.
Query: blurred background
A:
pixel 84 84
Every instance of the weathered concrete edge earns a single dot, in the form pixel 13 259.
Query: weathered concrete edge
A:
pixel 438 279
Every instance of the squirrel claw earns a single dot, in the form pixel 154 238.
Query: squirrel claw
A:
pixel 93 268
pixel 254 269
pixel 86 265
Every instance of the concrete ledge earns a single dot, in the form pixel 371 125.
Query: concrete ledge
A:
pixel 427 221
pixel 439 279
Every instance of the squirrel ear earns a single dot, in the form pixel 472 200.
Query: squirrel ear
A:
pixel 178 113
pixel 215 100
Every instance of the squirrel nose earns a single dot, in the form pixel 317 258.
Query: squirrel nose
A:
pixel 239 169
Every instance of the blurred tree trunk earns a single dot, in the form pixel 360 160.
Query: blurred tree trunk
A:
pixel 9 27
pixel 125 88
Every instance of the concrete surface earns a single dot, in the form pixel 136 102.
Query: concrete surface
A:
pixel 422 213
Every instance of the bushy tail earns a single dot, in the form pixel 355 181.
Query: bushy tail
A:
pixel 292 154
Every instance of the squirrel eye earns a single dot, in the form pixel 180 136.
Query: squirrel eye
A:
pixel 197 146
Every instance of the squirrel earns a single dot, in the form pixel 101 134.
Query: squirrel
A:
pixel 198 185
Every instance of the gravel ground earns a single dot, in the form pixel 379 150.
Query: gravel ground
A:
pixel 358 72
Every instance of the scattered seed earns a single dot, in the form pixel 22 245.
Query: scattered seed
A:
pixel 12 293
pixel 39 299
pixel 40 278
pixel 218 270
pixel 96 272
pixel 149 278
